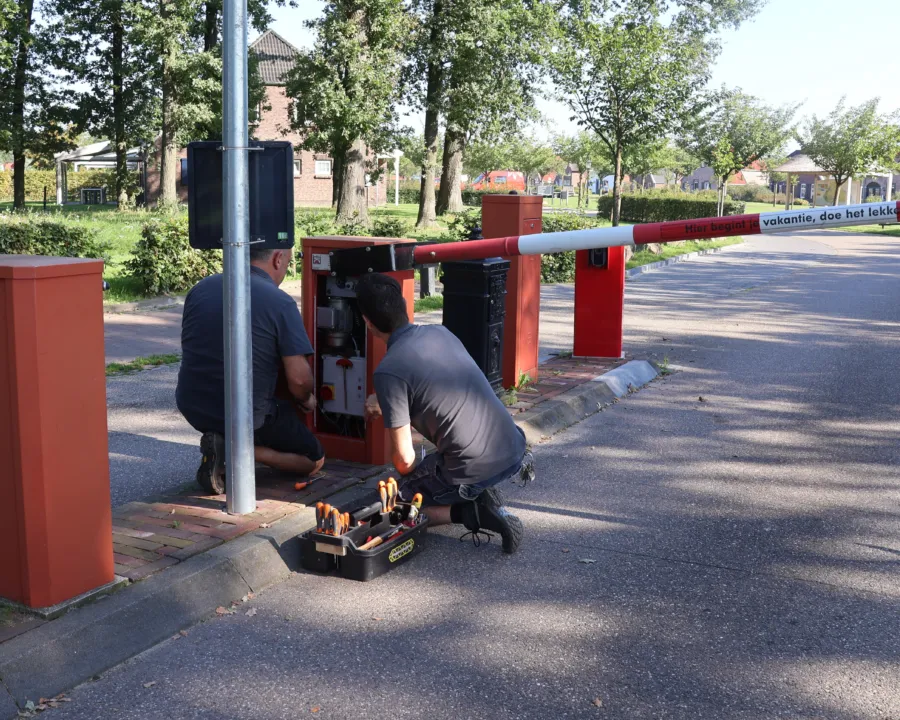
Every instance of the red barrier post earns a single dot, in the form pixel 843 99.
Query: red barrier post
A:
pixel 599 301
pixel 516 215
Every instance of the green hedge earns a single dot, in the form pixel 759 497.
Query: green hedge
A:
pixel 410 192
pixel 24 236
pixel 648 207
pixel 35 180
pixel 163 260
pixel 560 267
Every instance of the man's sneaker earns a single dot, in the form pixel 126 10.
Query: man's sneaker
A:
pixel 211 473
pixel 486 514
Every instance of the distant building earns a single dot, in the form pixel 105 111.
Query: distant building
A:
pixel 313 172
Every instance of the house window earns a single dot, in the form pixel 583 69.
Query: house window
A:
pixel 696 184
pixel 323 168
pixel 802 190
pixel 298 167
pixel 184 171
pixel 706 185
pixel 500 180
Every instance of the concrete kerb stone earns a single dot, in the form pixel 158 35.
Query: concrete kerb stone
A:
pixel 660 264
pixel 572 406
pixel 80 645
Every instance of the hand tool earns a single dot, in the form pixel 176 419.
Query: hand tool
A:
pixel 301 485
pixel 382 491
pixel 335 521
pixel 320 516
pixel 393 491
pixel 384 537
pixel 326 518
pixel 346 521
pixel 414 508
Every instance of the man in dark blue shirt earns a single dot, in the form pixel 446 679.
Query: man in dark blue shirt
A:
pixel 428 381
pixel 280 342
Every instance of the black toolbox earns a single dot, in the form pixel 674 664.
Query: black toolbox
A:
pixel 324 553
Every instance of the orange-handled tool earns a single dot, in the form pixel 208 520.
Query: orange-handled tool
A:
pixel 336 521
pixel 382 492
pixel 320 516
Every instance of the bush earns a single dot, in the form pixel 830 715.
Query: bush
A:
pixel 560 267
pixel 800 202
pixel 310 224
pixel 410 192
pixel 750 193
pixel 660 207
pixel 21 236
pixel 163 260
pixel 392 227
pixel 872 199
pixel 35 180
pixel 462 225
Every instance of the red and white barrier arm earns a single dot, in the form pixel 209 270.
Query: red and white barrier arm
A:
pixel 883 213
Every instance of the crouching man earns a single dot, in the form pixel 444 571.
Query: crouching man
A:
pixel 280 344
pixel 428 381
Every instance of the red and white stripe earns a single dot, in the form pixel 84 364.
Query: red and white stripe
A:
pixel 883 213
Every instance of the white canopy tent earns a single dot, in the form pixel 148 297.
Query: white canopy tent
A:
pixel 100 155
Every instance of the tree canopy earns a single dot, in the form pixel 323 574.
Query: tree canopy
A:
pixel 852 141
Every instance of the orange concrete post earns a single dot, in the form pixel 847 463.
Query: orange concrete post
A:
pixel 507 216
pixel 55 515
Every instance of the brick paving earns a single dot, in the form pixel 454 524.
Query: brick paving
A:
pixel 560 375
pixel 151 535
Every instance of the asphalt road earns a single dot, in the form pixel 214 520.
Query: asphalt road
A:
pixel 730 557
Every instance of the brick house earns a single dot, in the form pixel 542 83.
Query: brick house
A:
pixel 313 179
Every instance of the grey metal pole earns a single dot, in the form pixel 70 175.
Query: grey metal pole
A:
pixel 239 462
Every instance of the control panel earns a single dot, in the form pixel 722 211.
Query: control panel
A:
pixel 343 387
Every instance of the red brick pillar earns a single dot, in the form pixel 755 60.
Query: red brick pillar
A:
pixel 508 216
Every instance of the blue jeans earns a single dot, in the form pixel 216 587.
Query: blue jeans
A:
pixel 426 478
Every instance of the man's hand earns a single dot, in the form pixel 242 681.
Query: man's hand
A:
pixel 372 409
pixel 309 404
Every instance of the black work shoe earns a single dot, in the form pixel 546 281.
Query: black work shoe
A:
pixel 486 515
pixel 211 473
pixel 496 518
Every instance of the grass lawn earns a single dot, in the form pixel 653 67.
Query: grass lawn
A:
pixel 571 203
pixel 645 257
pixel 140 363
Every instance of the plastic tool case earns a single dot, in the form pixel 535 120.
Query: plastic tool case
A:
pixel 324 553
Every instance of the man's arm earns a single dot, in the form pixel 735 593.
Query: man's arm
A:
pixel 403 455
pixel 300 380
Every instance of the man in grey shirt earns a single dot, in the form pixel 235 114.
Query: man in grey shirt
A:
pixel 428 381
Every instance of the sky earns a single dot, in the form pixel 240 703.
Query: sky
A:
pixel 810 51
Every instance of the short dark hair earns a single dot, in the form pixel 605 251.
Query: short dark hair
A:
pixel 258 254
pixel 381 301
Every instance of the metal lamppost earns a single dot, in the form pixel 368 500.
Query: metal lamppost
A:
pixel 239 453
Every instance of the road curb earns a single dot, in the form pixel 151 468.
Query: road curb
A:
pixel 161 302
pixel 659 265
pixel 81 645
pixel 573 406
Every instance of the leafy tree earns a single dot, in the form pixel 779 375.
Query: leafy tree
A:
pixel 345 93
pixel 579 150
pixel 97 47
pixel 34 118
pixel 629 78
pixel 533 158
pixel 852 141
pixel 413 148
pixel 473 63
pixel 484 156
pixel 735 130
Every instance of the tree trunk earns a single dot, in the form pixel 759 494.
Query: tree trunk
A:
pixel 168 194
pixel 450 193
pixel 837 190
pixel 337 176
pixel 18 105
pixel 617 187
pixel 211 25
pixel 433 89
pixel 352 206
pixel 118 32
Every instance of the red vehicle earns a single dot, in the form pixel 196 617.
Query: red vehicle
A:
pixel 500 180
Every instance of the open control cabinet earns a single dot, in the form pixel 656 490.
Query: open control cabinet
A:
pixel 346 354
